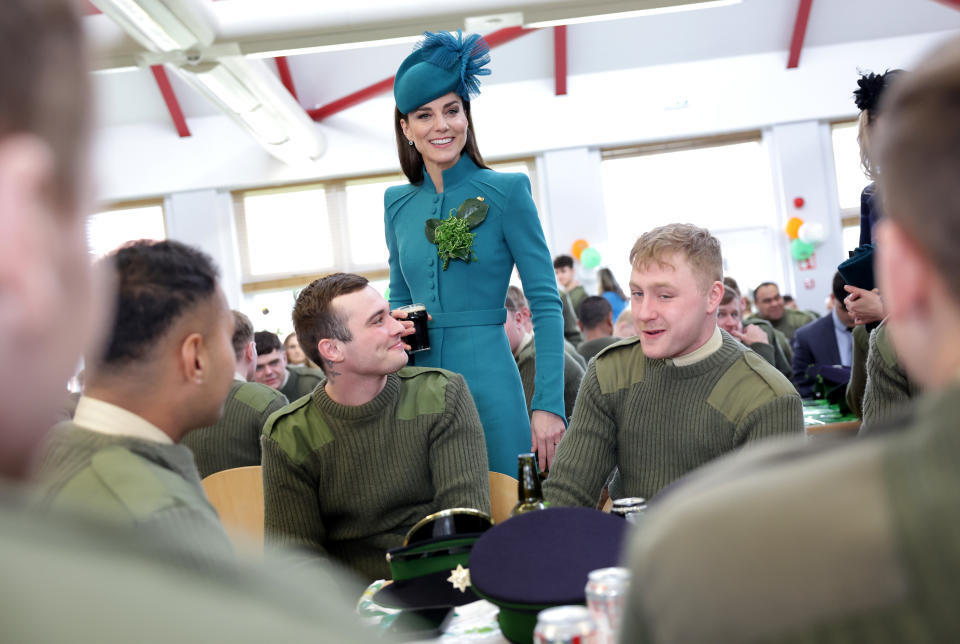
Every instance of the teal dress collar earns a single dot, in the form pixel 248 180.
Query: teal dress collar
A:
pixel 453 176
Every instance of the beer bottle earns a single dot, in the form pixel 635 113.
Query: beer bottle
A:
pixel 530 496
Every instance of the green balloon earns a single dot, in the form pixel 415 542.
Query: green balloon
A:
pixel 801 250
pixel 590 257
pixel 386 294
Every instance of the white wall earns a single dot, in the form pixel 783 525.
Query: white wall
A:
pixel 525 118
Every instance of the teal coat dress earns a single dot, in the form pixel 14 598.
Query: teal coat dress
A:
pixel 466 300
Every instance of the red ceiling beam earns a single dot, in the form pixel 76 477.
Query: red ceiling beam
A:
pixel 799 33
pixel 493 39
pixel 283 67
pixel 560 59
pixel 163 82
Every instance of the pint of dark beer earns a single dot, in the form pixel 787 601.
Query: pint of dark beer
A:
pixel 420 340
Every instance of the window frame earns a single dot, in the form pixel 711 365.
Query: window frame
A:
pixel 335 192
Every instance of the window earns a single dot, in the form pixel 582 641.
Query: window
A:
pixel 723 185
pixel 289 236
pixel 286 231
pixel 114 226
pixel 846 159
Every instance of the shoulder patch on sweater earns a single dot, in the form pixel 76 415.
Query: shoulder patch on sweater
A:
pixel 748 384
pixel 256 396
pixel 620 365
pixel 299 429
pixel 423 390
pixel 141 487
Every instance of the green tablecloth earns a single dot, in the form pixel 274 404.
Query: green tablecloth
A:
pixel 820 412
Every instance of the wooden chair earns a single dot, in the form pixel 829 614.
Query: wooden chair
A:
pixel 503 496
pixel 237 495
pixel 847 428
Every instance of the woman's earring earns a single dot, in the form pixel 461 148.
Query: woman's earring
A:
pixel 409 142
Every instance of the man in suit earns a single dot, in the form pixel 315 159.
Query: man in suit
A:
pixel 827 342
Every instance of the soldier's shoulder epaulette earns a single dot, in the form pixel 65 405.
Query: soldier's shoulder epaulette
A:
pixel 620 365
pixel 296 407
pixel 423 390
pixel 256 396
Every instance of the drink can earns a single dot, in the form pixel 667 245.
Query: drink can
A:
pixel 420 339
pixel 630 508
pixel 606 593
pixel 564 625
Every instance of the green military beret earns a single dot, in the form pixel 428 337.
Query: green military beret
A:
pixel 442 63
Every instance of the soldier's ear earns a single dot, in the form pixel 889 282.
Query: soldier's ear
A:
pixel 331 350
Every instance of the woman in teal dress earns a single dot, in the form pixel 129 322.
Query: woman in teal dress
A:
pixel 464 285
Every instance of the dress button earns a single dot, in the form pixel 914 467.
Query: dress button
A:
pixel 433 298
pixel 436 210
pixel 431 262
pixel 436 198
pixel 430 273
pixel 432 286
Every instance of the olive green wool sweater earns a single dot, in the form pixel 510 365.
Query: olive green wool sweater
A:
pixel 658 421
pixel 572 375
pixel 351 481
pixel 234 441
pixel 888 388
pixel 150 488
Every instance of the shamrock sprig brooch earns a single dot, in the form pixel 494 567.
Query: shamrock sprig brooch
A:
pixel 452 235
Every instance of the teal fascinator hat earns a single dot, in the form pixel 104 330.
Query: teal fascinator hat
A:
pixel 443 62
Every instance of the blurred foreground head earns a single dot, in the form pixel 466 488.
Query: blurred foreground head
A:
pixel 918 263
pixel 47 300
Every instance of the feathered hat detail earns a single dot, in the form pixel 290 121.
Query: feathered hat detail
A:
pixel 442 62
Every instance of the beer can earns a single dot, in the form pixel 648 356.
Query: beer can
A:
pixel 564 625
pixel 629 507
pixel 606 598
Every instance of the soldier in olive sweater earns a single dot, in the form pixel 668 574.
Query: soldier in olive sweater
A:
pixel 234 440
pixel 888 387
pixel 759 335
pixel 525 352
pixel 348 470
pixel 167 369
pixel 273 371
pixel 770 307
pixel 855 542
pixel 681 393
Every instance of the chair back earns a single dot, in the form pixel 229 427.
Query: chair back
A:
pixel 237 495
pixel 503 496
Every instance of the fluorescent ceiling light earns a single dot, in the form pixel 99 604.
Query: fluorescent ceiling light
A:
pixel 317 49
pixel 257 101
pixel 160 25
pixel 707 4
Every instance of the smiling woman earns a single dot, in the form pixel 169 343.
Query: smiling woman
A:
pixel 454 234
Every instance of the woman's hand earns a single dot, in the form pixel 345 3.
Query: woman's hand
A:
pixel 546 430
pixel 865 306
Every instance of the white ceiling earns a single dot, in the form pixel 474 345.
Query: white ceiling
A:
pixel 131 96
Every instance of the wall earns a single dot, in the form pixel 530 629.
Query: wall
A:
pixel 613 108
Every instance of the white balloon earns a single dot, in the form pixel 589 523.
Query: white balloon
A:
pixel 811 232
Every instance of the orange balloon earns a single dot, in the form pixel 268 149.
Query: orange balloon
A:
pixel 578 247
pixel 793 227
